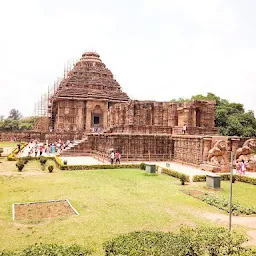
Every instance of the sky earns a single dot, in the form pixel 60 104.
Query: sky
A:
pixel 156 49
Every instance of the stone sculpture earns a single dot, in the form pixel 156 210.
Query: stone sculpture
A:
pixel 217 158
pixel 247 153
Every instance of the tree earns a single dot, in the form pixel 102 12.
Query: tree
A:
pixel 230 117
pixel 14 114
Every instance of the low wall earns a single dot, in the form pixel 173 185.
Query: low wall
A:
pixel 142 129
pixel 40 136
pixel 143 147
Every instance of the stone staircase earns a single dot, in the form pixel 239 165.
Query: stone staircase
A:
pixel 78 148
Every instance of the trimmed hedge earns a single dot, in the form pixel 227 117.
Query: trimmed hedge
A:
pixel 197 242
pixel 175 174
pixel 241 178
pixel 12 156
pixel 61 165
pixel 99 166
pixel 49 249
pixel 199 178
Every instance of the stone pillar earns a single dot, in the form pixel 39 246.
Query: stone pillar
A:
pixel 207 146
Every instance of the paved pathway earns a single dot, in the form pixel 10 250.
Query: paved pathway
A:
pixel 186 169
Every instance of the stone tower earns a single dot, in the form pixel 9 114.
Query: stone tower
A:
pixel 83 98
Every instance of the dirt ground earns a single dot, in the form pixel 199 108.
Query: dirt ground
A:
pixel 42 210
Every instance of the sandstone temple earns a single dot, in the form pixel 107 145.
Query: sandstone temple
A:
pixel 89 99
pixel 90 107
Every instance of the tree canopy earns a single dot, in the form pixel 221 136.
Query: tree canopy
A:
pixel 15 122
pixel 230 117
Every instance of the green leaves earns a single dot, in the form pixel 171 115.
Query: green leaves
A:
pixel 230 117
pixel 194 242
pixel 50 249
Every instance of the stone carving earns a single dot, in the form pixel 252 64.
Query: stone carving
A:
pixel 217 157
pixel 246 153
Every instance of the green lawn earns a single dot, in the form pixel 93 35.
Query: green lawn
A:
pixel 8 144
pixel 243 193
pixel 109 202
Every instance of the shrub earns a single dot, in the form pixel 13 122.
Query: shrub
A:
pixel 50 168
pixel 223 204
pixel 43 160
pixel 20 165
pixel 183 179
pixel 175 174
pixel 50 249
pixel 199 178
pixel 142 166
pixel 199 241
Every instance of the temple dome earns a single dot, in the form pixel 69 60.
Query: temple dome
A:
pixel 90 56
pixel 90 78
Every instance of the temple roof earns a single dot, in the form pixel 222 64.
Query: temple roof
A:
pixel 90 79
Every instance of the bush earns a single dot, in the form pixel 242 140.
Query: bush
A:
pixel 20 165
pixel 43 160
pixel 199 178
pixel 175 174
pixel 50 249
pixel 50 168
pixel 199 241
pixel 223 204
pixel 142 166
pixel 183 179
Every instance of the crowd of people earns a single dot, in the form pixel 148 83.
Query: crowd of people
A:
pixel 37 149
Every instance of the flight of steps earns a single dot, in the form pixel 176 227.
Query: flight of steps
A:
pixel 79 148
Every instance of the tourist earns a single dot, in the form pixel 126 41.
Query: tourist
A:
pixel 237 167
pixel 53 149
pixel 184 129
pixel 112 157
pixel 41 150
pixel 242 167
pixel 117 157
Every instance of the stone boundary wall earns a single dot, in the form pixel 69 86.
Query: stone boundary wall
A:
pixel 40 136
pixel 189 149
pixel 138 147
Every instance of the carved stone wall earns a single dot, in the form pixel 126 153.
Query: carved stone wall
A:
pixel 40 136
pixel 197 115
pixel 134 147
pixel 188 149
pixel 70 116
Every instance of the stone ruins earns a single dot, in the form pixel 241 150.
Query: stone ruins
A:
pixel 90 106
pixel 91 100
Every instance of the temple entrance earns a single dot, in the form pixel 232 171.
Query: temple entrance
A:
pixel 97 119
pixel 198 118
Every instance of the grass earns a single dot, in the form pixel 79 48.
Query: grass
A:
pixel 110 202
pixel 242 192
pixel 8 144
